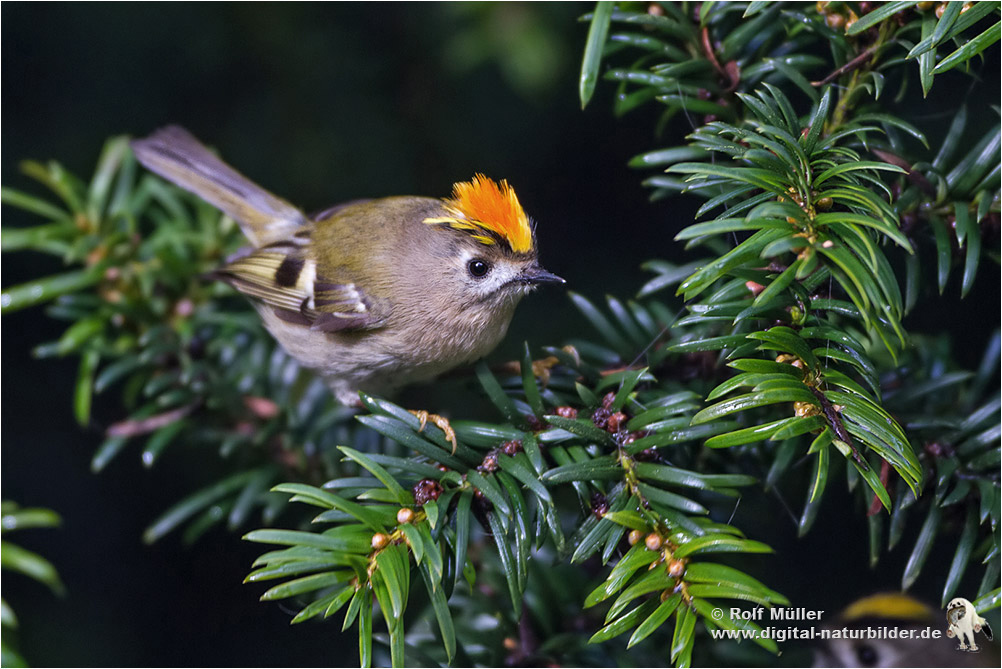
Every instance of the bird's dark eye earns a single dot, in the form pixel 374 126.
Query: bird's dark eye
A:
pixel 478 268
pixel 866 655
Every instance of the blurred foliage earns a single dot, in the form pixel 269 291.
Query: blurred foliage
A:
pixel 15 559
pixel 616 460
pixel 512 36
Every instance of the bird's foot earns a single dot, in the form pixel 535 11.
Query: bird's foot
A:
pixel 438 421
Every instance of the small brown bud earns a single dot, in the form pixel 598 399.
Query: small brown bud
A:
pixel 634 537
pixel 489 464
pixel 940 9
pixel 599 504
pixel 380 540
pixel 655 9
pixel 405 516
pixel 646 455
pixel 608 400
pixel 616 421
pixel 754 287
pixel 925 6
pixel 676 568
pixel 835 21
pixel 510 643
pixel 567 412
pixel 535 424
pixel 481 505
pixel 824 204
pixel 511 448
pixel 601 417
pixel 653 542
pixel 426 490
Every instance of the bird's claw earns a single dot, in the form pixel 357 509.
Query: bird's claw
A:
pixel 438 421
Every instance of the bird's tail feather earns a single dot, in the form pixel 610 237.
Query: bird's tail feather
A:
pixel 173 153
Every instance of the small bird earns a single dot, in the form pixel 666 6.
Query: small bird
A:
pixel 373 294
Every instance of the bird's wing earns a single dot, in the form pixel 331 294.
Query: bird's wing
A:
pixel 284 278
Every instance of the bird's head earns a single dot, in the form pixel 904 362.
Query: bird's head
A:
pixel 493 259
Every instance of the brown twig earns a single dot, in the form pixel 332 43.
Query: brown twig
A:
pixel 729 72
pixel 837 426
pixel 136 427
pixel 885 475
pixel 848 67
pixel 915 177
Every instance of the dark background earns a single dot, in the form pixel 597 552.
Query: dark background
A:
pixel 322 103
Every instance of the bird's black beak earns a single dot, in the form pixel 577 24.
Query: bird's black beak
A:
pixel 536 275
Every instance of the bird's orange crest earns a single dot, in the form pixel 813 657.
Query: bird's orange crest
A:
pixel 483 206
